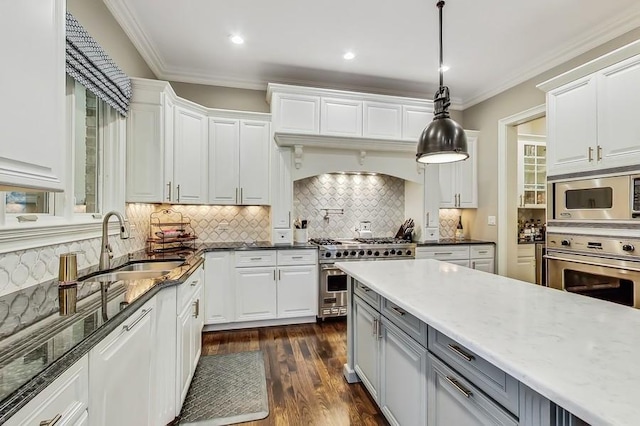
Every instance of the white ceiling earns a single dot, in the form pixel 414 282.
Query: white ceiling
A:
pixel 490 45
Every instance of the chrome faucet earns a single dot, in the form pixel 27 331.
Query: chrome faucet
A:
pixel 105 252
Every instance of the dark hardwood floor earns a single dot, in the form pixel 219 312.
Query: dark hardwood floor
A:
pixel 303 365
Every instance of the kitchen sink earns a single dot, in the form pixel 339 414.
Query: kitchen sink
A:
pixel 127 275
pixel 151 266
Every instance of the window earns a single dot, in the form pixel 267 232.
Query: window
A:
pixel 28 202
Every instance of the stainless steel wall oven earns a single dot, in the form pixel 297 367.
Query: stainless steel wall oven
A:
pixel 606 268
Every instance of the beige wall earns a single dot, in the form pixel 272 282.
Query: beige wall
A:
pixel 102 26
pixel 484 117
pixel 223 97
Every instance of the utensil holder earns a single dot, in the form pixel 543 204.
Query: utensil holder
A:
pixel 300 235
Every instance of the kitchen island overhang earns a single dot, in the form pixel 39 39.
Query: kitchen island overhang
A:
pixel 576 351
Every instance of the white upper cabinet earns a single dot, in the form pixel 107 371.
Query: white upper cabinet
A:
pixel 341 117
pixel 32 152
pixel 532 177
pixel 296 113
pixel 571 126
pixel 239 161
pixel 459 180
pixel 282 188
pixel 414 120
pixel 190 156
pixel 618 106
pixel 592 115
pixel 224 137
pixel 382 120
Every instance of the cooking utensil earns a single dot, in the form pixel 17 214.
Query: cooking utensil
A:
pixel 297 223
pixel 304 223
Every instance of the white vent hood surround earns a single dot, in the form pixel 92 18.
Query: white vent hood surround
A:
pixel 337 131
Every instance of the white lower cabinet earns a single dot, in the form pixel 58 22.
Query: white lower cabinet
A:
pixel 120 366
pixel 189 323
pixel 475 256
pixel 486 265
pixel 454 401
pixel 255 293
pixel 366 346
pixel 297 291
pixel 403 388
pixel 164 378
pixel 67 397
pixel 259 285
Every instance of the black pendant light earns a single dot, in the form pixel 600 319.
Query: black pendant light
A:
pixel 443 140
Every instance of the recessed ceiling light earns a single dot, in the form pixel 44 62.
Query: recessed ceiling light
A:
pixel 445 68
pixel 349 56
pixel 236 39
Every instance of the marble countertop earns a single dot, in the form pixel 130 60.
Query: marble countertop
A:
pixel 451 241
pixel 578 352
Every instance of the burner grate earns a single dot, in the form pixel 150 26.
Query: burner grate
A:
pixel 325 241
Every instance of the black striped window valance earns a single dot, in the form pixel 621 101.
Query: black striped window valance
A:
pixel 90 66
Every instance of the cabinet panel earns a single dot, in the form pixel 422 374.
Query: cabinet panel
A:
pixel 254 162
pixel 67 396
pixel 382 120
pixel 185 338
pixel 255 293
pixel 282 197
pixel 532 172
pixel 164 377
pixel 297 291
pixel 219 292
pixel 297 113
pixel 448 190
pixel 145 154
pixel 414 120
pixel 256 258
pixel 341 117
pixel 123 357
pixel 404 378
pixel 32 152
pixel 572 127
pixel 526 269
pixel 486 265
pixel 224 161
pixel 618 105
pixel 197 322
pixel 446 253
pixel 467 176
pixel 463 262
pixel 297 257
pixel 454 401
pixel 190 156
pixel 366 349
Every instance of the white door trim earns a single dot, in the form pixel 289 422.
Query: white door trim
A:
pixel 503 125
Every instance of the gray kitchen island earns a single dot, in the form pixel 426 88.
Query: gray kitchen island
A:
pixel 437 344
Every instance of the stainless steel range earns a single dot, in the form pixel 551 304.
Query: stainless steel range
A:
pixel 333 282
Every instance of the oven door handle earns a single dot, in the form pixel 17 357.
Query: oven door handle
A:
pixel 331 268
pixel 591 263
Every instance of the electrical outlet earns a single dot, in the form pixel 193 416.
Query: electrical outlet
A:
pixel 491 221
pixel 223 226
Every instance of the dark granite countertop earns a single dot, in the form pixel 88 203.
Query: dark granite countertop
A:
pixel 40 345
pixel 450 241
pixel 530 242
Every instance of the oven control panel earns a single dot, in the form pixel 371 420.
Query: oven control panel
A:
pixel 606 246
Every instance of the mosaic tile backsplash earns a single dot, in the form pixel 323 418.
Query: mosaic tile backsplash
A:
pixel 449 222
pixel 25 268
pixel 375 198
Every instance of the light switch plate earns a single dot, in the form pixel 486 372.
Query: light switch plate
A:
pixel 491 221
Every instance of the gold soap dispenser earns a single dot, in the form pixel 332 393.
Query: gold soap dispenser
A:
pixel 68 284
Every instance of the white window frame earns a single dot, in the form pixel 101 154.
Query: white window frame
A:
pixel 64 226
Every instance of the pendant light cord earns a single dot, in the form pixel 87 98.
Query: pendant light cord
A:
pixel 440 6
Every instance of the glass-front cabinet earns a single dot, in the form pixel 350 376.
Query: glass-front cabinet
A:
pixel 532 172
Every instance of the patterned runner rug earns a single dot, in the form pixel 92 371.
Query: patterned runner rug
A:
pixel 227 389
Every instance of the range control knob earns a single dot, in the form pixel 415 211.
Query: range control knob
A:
pixel 565 242
pixel 327 254
pixel 393 251
pixel 377 253
pixel 369 252
pixel 338 254
pixel 353 253
pixel 399 252
pixel 628 247
pixel 361 252
pixel 386 253
pixel 346 253
pixel 408 252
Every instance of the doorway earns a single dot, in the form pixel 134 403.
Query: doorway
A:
pixel 508 187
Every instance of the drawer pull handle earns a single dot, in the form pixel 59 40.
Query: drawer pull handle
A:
pixel 51 422
pixel 456 349
pixel 296 257
pixel 196 305
pixel 133 324
pixel 194 283
pixel 398 311
pixel 482 251
pixel 456 384
pixel 443 254
pixel 365 289
pixel 256 258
